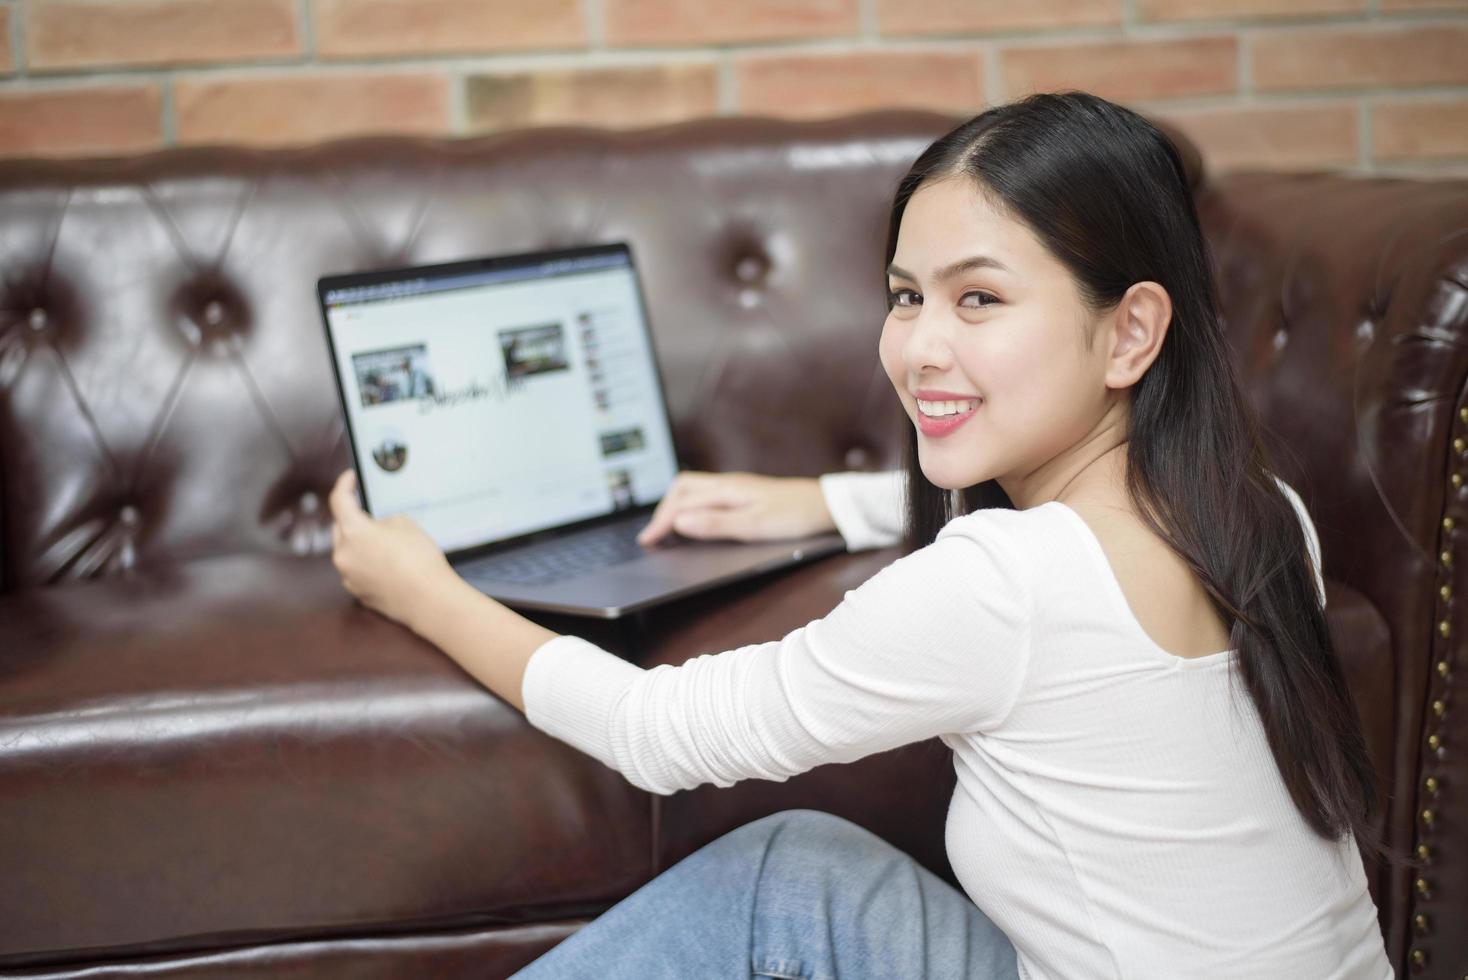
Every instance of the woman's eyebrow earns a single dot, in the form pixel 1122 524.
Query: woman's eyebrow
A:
pixel 955 269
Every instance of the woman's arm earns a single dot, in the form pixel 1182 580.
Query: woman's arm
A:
pixel 937 642
pixel 488 639
pixel 766 711
pixel 737 506
pixel 392 566
pixel 866 508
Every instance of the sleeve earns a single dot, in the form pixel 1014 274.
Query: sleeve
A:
pixel 1312 537
pixel 937 642
pixel 867 508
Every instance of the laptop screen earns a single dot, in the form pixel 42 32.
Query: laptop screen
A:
pixel 492 399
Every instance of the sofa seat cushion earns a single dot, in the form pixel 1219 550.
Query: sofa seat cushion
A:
pixel 231 750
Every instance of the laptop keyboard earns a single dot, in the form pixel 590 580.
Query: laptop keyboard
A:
pixel 554 560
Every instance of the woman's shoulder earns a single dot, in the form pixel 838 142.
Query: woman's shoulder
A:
pixel 1038 519
pixel 1014 535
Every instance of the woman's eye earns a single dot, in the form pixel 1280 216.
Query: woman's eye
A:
pixel 980 300
pixel 903 297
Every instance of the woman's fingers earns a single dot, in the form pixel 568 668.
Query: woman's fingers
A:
pixel 661 521
pixel 712 522
pixel 698 508
pixel 345 510
pixel 679 492
pixel 659 524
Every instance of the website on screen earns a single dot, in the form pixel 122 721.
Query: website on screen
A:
pixel 502 402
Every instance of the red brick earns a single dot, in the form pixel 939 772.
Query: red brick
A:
pixel 81 121
pixel 306 109
pixel 1179 10
pixel 828 85
pixel 993 16
pixel 639 96
pixel 1276 138
pixel 64 34
pixel 1325 59
pixel 1420 129
pixel 635 22
pixel 1123 70
pixel 354 28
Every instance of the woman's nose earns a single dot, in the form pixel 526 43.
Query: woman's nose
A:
pixel 927 346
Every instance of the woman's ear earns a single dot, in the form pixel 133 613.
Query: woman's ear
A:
pixel 1139 325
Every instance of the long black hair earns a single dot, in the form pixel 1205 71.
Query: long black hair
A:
pixel 1106 192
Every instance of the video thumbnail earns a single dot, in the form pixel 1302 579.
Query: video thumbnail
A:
pixel 392 375
pixel 624 440
pixel 534 350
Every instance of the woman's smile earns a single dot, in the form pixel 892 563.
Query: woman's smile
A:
pixel 949 416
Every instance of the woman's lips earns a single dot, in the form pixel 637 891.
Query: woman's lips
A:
pixel 941 427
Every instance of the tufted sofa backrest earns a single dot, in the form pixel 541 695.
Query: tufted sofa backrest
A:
pixel 165 389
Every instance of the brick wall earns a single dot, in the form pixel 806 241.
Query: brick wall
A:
pixel 1368 86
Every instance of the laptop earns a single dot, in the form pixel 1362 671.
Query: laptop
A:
pixel 514 408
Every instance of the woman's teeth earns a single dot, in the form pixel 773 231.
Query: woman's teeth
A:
pixel 940 409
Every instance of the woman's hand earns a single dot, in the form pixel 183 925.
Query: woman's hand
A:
pixel 742 506
pixel 391 564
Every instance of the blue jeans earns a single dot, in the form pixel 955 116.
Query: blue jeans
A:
pixel 797 894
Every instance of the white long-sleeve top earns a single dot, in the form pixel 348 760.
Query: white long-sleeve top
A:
pixel 1117 813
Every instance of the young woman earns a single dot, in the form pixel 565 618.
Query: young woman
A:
pixel 1109 609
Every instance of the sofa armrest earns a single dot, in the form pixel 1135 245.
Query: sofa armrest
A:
pixel 1345 301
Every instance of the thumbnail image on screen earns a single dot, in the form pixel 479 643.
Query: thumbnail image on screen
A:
pixel 392 375
pixel 619 482
pixel 622 441
pixel 390 453
pixel 534 350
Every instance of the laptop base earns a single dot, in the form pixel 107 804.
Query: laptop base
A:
pixel 661 575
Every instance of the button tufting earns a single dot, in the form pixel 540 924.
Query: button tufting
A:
pixel 128 515
pixel 1280 339
pixel 751 268
pixel 297 515
pixel 1365 330
pixel 38 319
pixel 211 315
pixel 856 457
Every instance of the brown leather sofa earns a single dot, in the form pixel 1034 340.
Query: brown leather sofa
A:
pixel 213 764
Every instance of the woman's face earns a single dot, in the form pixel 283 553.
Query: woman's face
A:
pixel 981 312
